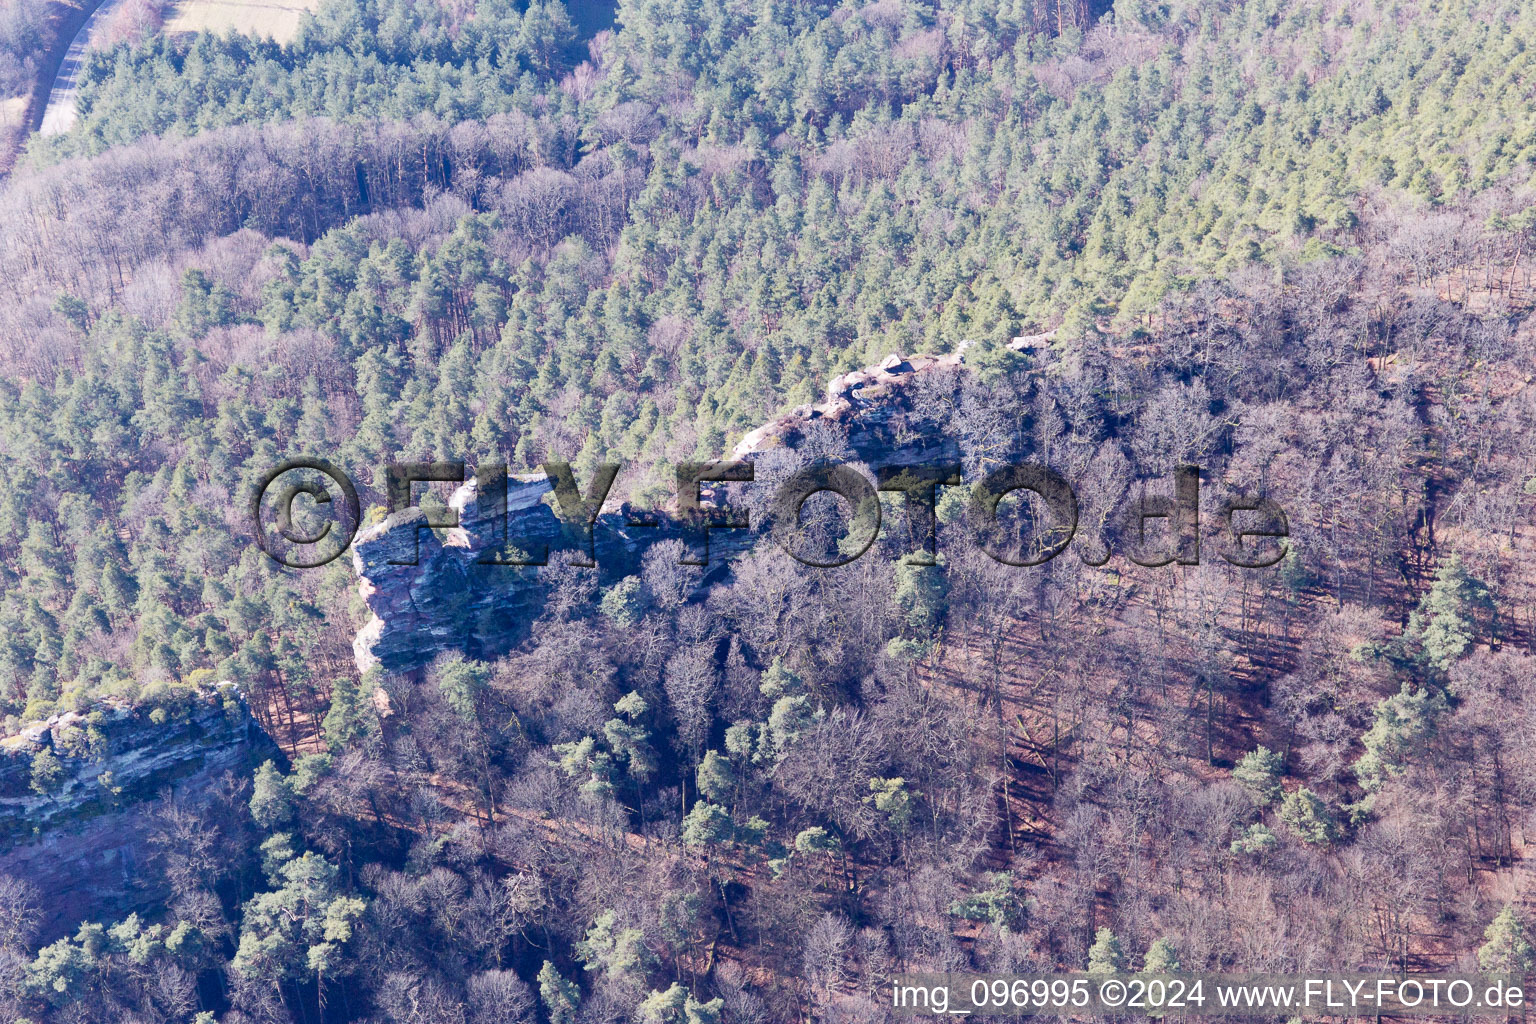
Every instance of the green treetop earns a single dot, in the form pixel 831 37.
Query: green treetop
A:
pixel 1508 948
pixel 1105 956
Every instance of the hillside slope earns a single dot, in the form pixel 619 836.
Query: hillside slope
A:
pixel 1285 241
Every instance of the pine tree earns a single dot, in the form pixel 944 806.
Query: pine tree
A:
pixel 715 777
pixel 779 681
pixel 1405 722
pixel 630 740
pixel 922 595
pixel 561 997
pixel 299 927
pixel 47 772
pixel 1256 840
pixel 463 684
pixel 997 904
pixel 1105 956
pixel 618 952
pixel 1259 773
pixel 707 825
pixel 1445 623
pixel 676 1005
pixel 1508 948
pixel 893 799
pixel 1305 814
pixel 272 802
pixel 348 717
pixel 1162 958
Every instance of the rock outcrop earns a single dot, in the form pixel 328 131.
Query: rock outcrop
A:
pixel 433 591
pixel 868 404
pixel 81 840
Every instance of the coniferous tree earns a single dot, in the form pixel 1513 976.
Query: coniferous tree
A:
pixel 1507 948
pixel 1105 956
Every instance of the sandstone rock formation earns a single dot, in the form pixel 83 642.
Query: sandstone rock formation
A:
pixel 83 841
pixel 866 403
pixel 433 591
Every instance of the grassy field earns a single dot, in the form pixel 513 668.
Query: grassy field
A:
pixel 276 18
pixel 280 18
pixel 12 110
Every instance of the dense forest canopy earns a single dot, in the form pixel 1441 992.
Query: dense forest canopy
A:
pixel 1283 240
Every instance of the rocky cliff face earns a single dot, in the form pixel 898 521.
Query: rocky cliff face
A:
pixel 432 591
pixel 452 599
pixel 82 840
pixel 873 407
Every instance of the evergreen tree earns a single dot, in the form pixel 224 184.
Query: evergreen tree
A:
pixel 618 952
pixel 299 927
pixel 1161 958
pixel 1306 815
pixel 272 798
pixel 1259 773
pixel 561 997
pixel 47 773
pixel 1105 956
pixel 998 904
pixel 1256 840
pixel 1508 949
pixel 892 798
pixel 676 1005
pixel 1447 616
pixel 715 778
pixel 1404 723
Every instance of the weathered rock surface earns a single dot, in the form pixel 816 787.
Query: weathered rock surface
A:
pixel 872 405
pixel 451 599
pixel 432 591
pixel 83 842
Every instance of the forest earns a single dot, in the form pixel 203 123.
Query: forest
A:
pixel 1285 241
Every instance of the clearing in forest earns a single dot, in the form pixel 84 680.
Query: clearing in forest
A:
pixel 278 19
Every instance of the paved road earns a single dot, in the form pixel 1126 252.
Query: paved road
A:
pixel 60 113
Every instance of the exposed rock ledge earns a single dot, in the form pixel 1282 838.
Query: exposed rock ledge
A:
pixel 451 600
pixel 81 841
pixel 863 402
